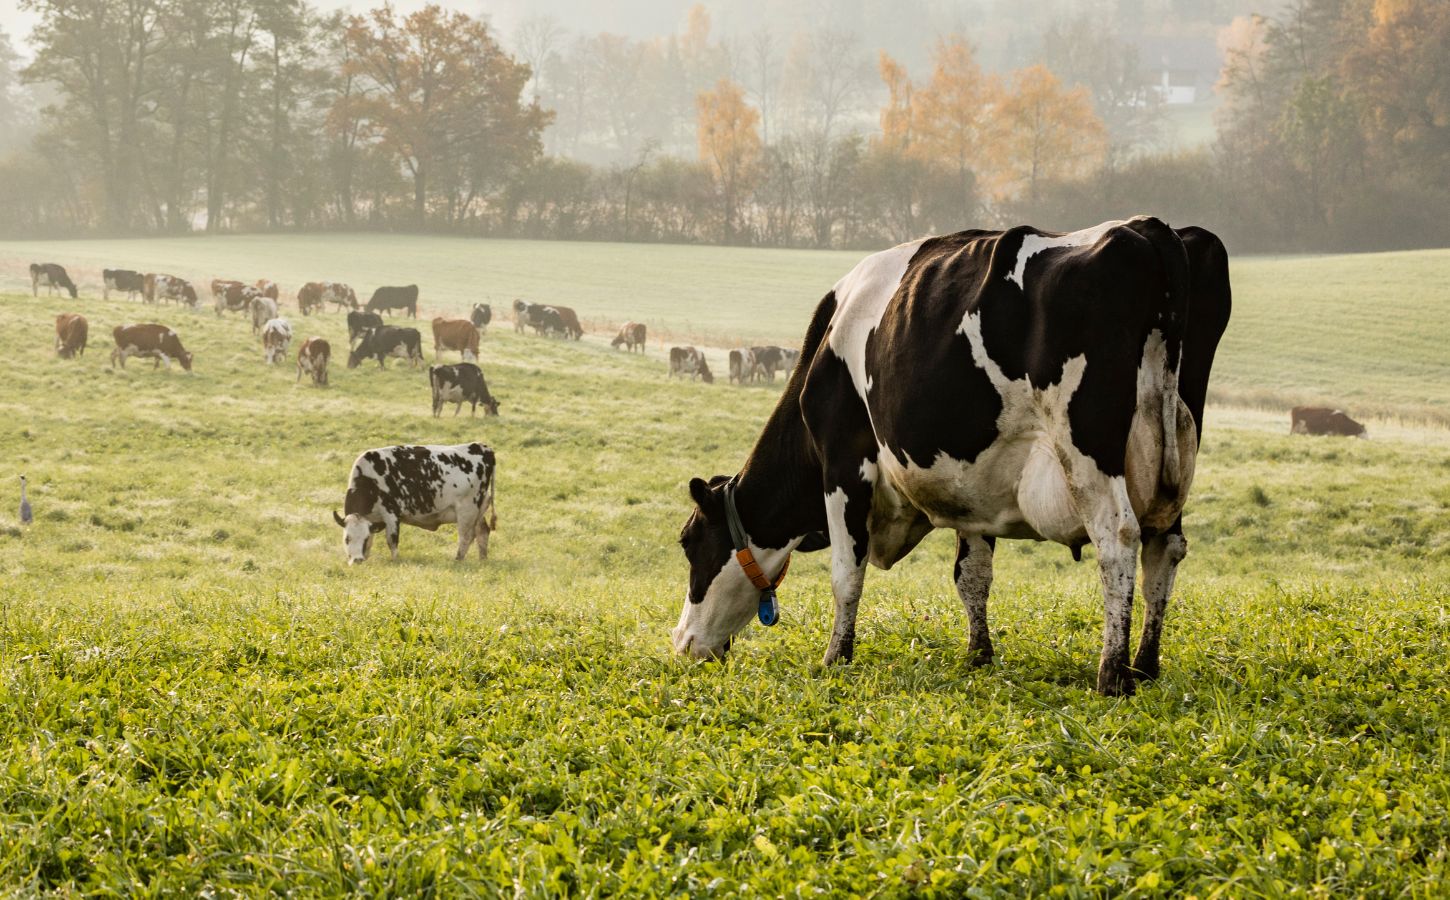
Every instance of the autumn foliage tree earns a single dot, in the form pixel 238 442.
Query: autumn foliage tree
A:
pixel 728 130
pixel 1045 131
pixel 954 118
pixel 445 101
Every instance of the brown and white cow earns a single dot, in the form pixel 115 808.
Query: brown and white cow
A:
pixel 631 335
pixel 312 359
pixel 168 288
pixel 269 289
pixel 455 334
pixel 687 361
pixel 1321 420
pixel 317 294
pixel 276 337
pixel 71 330
pixel 157 342
pixel 233 296
pixel 219 287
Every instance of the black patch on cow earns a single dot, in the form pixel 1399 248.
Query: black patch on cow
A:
pixel 840 430
pixel 380 343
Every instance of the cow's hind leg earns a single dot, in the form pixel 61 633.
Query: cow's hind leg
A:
pixel 1161 555
pixel 1113 529
pixel 468 523
pixel 973 572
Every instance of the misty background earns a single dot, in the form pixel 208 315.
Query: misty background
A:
pixel 1298 125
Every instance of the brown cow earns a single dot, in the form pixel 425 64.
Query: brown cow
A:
pixel 219 287
pixel 149 340
pixel 235 297
pixel 455 334
pixel 312 359
pixel 71 330
pixel 317 294
pixel 268 289
pixel 168 287
pixel 631 335
pixel 1323 420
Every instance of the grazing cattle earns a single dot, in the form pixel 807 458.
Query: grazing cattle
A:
pixel 237 297
pixel 522 315
pixel 276 338
pixel 460 384
pixel 269 289
pixel 317 294
pixel 1322 420
pixel 312 360
pixel 570 321
pixel 71 331
pixel 455 334
pixel 157 342
pixel 391 298
pixel 689 361
pixel 768 361
pixel 631 335
pixel 480 317
pixel 169 288
pixel 742 365
pixel 359 322
pixel 1012 384
pixel 220 286
pixel 380 343
pixel 132 283
pixel 52 276
pixel 264 310
pixel 423 486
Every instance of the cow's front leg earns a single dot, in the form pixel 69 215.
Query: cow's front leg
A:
pixel 1113 529
pixel 846 524
pixel 1161 555
pixel 392 526
pixel 973 573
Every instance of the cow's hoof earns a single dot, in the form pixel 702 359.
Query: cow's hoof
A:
pixel 839 656
pixel 980 656
pixel 1115 681
pixel 1146 669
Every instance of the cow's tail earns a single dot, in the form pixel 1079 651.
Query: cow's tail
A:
pixel 489 512
pixel 1171 320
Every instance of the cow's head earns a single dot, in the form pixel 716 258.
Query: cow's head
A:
pixel 357 536
pixel 719 600
pixel 705 374
pixel 185 359
pixel 490 406
pixel 72 288
pixel 355 358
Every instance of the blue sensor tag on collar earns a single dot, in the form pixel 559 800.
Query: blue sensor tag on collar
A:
pixel 769 611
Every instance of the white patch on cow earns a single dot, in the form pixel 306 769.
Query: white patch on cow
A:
pixel 728 605
pixel 455 498
pixel 1034 244
pixel 861 298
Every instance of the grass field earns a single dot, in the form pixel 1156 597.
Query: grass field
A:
pixel 1367 331
pixel 197 695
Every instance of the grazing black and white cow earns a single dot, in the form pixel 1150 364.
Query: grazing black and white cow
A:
pixel 1014 384
pixel 169 288
pixel 233 296
pixel 742 365
pixel 359 322
pixel 391 298
pixel 768 361
pixel 460 384
pixel 425 486
pixel 687 361
pixel 380 343
pixel 132 283
pixel 50 276
pixel 480 317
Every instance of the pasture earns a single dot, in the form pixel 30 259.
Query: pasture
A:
pixel 197 694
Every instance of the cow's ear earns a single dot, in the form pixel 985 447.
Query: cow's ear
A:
pixel 704 497
pixel 338 519
pixel 377 527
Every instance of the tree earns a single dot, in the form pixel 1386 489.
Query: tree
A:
pixel 445 97
pixel 537 39
pixel 1046 131
pixel 729 138
pixel 953 118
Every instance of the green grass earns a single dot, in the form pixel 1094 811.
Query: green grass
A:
pixel 198 695
pixel 1367 332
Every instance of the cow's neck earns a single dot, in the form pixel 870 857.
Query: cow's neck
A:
pixel 778 492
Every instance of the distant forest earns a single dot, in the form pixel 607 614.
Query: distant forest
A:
pixel 1331 127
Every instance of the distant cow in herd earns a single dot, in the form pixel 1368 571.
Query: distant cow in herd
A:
pixel 168 288
pixel 233 296
pixel 689 362
pixel 631 335
pixel 312 360
pixel 269 289
pixel 50 276
pixel 380 343
pixel 391 298
pixel 71 331
pixel 742 365
pixel 132 283
pixel 458 385
pixel 1321 420
pixel 150 340
pixel 358 322
pixel 423 486
pixel 480 317
pixel 547 319
pixel 276 338
pixel 455 334
pixel 315 295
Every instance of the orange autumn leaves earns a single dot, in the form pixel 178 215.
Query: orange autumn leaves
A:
pixel 1011 134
